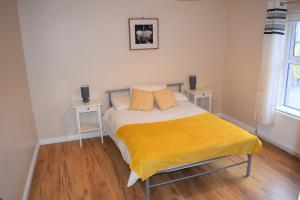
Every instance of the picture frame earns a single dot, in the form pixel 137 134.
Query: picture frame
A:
pixel 143 33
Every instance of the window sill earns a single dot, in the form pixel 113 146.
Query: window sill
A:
pixel 289 112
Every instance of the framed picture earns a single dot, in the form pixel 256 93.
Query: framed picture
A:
pixel 143 33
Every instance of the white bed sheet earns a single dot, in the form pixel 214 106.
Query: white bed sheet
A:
pixel 113 119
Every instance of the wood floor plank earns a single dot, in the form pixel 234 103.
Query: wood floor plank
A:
pixel 65 171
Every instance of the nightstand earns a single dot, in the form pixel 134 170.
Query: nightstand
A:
pixel 201 97
pixel 93 107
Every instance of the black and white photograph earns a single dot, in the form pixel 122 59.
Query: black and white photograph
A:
pixel 143 33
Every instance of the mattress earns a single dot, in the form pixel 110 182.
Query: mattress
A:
pixel 114 119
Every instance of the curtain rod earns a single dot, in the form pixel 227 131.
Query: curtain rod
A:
pixel 289 2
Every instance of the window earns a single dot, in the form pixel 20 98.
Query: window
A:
pixel 290 93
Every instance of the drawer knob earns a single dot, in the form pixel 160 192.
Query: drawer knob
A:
pixel 88 108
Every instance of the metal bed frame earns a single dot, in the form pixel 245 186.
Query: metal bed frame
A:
pixel 150 186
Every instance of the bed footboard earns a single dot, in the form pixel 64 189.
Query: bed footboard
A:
pixel 149 186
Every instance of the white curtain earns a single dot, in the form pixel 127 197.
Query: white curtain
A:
pixel 273 54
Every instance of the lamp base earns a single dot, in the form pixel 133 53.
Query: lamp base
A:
pixel 193 87
pixel 193 82
pixel 85 100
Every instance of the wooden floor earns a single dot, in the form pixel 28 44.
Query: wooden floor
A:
pixel 97 171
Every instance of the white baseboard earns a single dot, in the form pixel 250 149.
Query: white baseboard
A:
pixel 276 144
pixel 237 122
pixel 97 134
pixel 253 130
pixel 218 114
pixel 221 115
pixel 30 173
pixel 69 138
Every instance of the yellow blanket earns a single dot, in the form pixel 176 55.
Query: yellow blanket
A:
pixel 160 145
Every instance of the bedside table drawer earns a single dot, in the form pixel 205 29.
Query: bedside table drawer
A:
pixel 203 95
pixel 86 109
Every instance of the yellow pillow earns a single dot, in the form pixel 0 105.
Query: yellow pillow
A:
pixel 141 100
pixel 164 98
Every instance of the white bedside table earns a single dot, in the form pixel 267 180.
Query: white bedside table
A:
pixel 198 97
pixel 93 106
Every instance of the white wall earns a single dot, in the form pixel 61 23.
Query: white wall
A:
pixel 18 136
pixel 245 26
pixel 71 42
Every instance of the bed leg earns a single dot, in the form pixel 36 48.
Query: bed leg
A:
pixel 148 189
pixel 249 164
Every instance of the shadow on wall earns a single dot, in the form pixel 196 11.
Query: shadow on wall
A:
pixel 68 121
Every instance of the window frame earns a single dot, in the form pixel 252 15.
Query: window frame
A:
pixel 289 58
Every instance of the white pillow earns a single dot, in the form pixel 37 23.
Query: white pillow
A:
pixel 180 97
pixel 149 88
pixel 120 101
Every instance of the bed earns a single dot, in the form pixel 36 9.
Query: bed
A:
pixel 131 131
